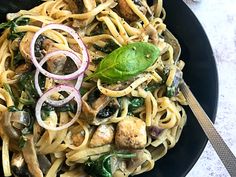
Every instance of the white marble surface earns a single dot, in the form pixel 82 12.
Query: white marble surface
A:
pixel 219 21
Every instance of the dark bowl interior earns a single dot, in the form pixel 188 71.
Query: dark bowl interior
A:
pixel 200 74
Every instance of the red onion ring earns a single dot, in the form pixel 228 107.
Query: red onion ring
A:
pixel 45 96
pixel 77 85
pixel 73 33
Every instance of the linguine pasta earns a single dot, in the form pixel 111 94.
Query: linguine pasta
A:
pixel 142 116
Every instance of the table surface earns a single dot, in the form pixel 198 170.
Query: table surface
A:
pixel 218 18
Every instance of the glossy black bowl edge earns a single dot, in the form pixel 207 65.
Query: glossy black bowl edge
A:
pixel 13 8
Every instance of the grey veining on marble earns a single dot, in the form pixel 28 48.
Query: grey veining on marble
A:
pixel 218 18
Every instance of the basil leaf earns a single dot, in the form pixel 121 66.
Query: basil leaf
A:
pixel 126 62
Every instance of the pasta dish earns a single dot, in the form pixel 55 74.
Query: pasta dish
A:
pixel 88 88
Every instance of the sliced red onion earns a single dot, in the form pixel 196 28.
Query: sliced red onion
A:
pixel 44 98
pixel 77 85
pixel 85 60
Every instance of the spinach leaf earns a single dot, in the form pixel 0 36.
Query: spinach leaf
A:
pixel 83 91
pixel 126 62
pixel 45 111
pixel 22 141
pixel 5 25
pixel 7 87
pixel 27 130
pixel 108 48
pixel 107 111
pixel 102 166
pixel 47 108
pixel 68 107
pixel 165 74
pixel 39 47
pixel 19 21
pixel 99 29
pixel 26 83
pixel 18 58
pixel 135 103
pixel 93 96
pixel 12 109
pixel 174 88
pixel 13 35
pixel 28 101
pixel 170 91
pixel 152 87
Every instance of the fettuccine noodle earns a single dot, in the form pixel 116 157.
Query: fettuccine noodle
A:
pixel 98 23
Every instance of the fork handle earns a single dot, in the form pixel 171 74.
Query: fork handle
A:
pixel 221 148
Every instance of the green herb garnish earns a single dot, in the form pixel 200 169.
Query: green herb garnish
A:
pixel 126 62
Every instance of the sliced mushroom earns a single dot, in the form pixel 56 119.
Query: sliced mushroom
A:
pixel 131 133
pixel 102 136
pixel 55 64
pixel 25 46
pixel 18 166
pixel 44 163
pixel 30 157
pixel 75 136
pixel 78 138
pixel 80 6
pixel 152 33
pixel 7 126
pixel 13 122
pixel 127 12
pixel 73 6
pixel 98 108
pixel 69 67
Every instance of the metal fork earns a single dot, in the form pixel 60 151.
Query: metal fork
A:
pixel 221 148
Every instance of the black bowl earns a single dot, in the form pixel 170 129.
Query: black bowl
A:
pixel 200 73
